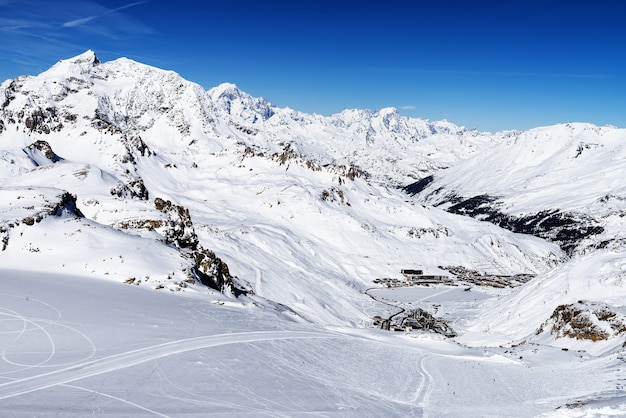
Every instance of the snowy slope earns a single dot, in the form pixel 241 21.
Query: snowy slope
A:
pixel 564 183
pixel 598 278
pixel 565 178
pixel 76 346
pixel 129 173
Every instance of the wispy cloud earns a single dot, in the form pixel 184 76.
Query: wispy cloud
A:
pixel 37 33
pixel 78 22
pixel 84 20
pixel 408 107
pixel 14 25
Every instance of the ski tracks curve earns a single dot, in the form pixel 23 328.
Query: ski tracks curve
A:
pixel 422 394
pixel 132 358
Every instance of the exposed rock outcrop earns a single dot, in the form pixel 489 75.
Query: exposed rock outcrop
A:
pixel 178 230
pixel 134 189
pixel 585 320
pixel 41 153
pixel 207 268
pixel 566 229
pixel 36 207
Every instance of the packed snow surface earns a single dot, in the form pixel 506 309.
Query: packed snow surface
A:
pixel 78 345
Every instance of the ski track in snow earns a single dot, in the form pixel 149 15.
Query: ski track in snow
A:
pixel 39 328
pixel 422 393
pixel 10 315
pixel 135 357
pixel 106 395
pixel 259 279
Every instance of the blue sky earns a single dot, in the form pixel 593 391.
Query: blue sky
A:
pixel 490 64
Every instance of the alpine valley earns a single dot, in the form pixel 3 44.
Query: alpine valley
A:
pixel 172 251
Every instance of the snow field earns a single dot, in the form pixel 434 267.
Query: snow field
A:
pixel 98 346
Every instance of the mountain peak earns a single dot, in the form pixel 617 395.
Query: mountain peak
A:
pixel 388 111
pixel 82 63
pixel 229 90
pixel 227 86
pixel 88 58
pixel 235 101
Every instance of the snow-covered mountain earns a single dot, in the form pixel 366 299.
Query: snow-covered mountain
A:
pixel 130 173
pixel 562 182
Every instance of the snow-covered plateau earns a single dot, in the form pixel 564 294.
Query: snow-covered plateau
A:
pixel 171 251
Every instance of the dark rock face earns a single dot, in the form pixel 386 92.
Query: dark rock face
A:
pixel 135 148
pixel 418 186
pixel 9 93
pixel 179 231
pixel 211 271
pixel 4 237
pixel 66 205
pixel 34 120
pixel 43 148
pixel 563 228
pixel 207 268
pixel 567 229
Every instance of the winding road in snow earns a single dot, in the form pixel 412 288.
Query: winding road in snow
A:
pixel 142 355
pixel 385 302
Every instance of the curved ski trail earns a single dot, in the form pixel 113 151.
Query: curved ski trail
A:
pixel 142 355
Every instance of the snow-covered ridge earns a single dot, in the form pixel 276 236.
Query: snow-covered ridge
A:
pixel 134 96
pixel 563 182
